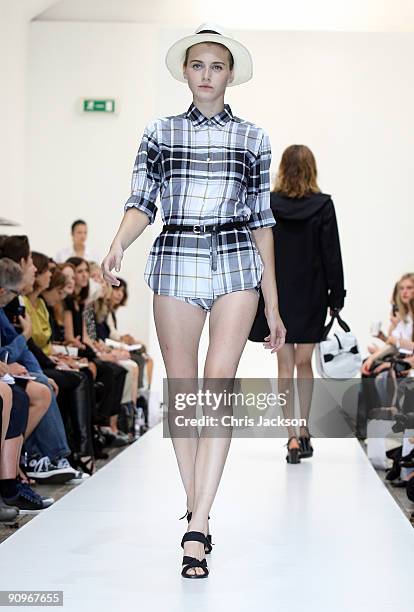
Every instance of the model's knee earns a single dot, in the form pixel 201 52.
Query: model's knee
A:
pixel 303 363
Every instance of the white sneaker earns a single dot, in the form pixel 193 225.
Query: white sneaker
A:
pixel 43 470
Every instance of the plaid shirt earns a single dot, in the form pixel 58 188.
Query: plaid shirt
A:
pixel 207 171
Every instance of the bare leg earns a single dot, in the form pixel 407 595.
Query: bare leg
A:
pixel 10 453
pixel 39 398
pixel 303 362
pixel 286 369
pixel 150 366
pixel 7 398
pixel 231 319
pixel 179 326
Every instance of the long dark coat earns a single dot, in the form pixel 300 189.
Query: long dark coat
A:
pixel 308 265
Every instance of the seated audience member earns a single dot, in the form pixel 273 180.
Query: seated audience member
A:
pixel 75 387
pixel 110 374
pixel 394 319
pixel 78 248
pixel 8 514
pixel 118 298
pixel 48 440
pixel 399 345
pixel 16 495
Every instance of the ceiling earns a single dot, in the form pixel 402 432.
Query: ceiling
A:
pixel 351 15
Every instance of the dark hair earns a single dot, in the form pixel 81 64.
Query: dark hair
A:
pixel 41 262
pixel 76 223
pixel 297 172
pixel 57 280
pixel 76 262
pixel 231 58
pixel 122 285
pixel 15 248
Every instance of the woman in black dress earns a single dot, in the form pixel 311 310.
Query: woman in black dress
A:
pixel 309 275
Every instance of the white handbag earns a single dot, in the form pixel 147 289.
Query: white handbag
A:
pixel 338 356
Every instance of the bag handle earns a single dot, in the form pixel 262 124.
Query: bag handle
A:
pixel 341 323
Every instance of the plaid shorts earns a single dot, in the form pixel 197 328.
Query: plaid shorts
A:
pixel 203 266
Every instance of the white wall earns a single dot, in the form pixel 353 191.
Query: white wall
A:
pixel 14 19
pixel 346 95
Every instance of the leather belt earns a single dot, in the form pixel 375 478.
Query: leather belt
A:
pixel 202 229
pixel 205 229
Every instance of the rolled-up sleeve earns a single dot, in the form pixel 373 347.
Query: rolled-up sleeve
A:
pixel 146 177
pixel 258 190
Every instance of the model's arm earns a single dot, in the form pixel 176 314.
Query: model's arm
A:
pixel 263 238
pixel 132 225
pixel 140 209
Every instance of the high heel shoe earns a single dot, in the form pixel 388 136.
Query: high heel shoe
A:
pixel 209 546
pixel 306 448
pixel 293 455
pixel 193 562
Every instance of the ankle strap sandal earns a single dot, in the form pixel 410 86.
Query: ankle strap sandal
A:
pixel 193 562
pixel 209 546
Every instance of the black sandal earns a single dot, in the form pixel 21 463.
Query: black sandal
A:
pixel 293 455
pixel 209 546
pixel 86 465
pixel 192 562
pixel 306 448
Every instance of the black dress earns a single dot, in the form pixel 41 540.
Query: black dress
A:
pixel 308 266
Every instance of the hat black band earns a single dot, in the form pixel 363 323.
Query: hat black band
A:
pixel 209 32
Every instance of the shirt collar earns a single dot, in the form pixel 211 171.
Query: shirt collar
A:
pixel 198 119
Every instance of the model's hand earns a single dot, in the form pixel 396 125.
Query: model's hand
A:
pixel 111 261
pixel 276 338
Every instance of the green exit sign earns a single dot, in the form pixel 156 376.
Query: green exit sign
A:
pixel 99 106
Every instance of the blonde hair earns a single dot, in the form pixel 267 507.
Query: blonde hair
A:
pixel 404 310
pixel 297 172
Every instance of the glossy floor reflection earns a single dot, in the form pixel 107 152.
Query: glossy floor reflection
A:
pixel 322 535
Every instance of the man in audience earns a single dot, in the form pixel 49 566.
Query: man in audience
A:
pixel 79 233
pixel 49 439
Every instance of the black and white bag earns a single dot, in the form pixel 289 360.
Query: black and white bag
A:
pixel 338 356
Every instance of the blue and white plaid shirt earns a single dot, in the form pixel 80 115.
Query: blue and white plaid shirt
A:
pixel 206 171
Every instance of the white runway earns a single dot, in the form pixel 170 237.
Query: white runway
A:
pixel 324 535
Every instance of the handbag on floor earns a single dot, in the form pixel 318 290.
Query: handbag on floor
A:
pixel 338 356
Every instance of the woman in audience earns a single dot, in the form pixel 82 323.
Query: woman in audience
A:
pixel 118 298
pixel 401 328
pixel 399 343
pixel 75 387
pixel 110 374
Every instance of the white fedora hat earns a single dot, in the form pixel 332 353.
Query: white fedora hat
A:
pixel 209 32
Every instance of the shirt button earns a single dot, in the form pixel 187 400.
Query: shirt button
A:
pixel 208 159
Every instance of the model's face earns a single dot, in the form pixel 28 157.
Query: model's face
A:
pixel 208 71
pixel 70 280
pixel 82 276
pixel 80 234
pixel 406 291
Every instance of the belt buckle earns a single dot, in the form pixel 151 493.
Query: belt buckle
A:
pixel 197 229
